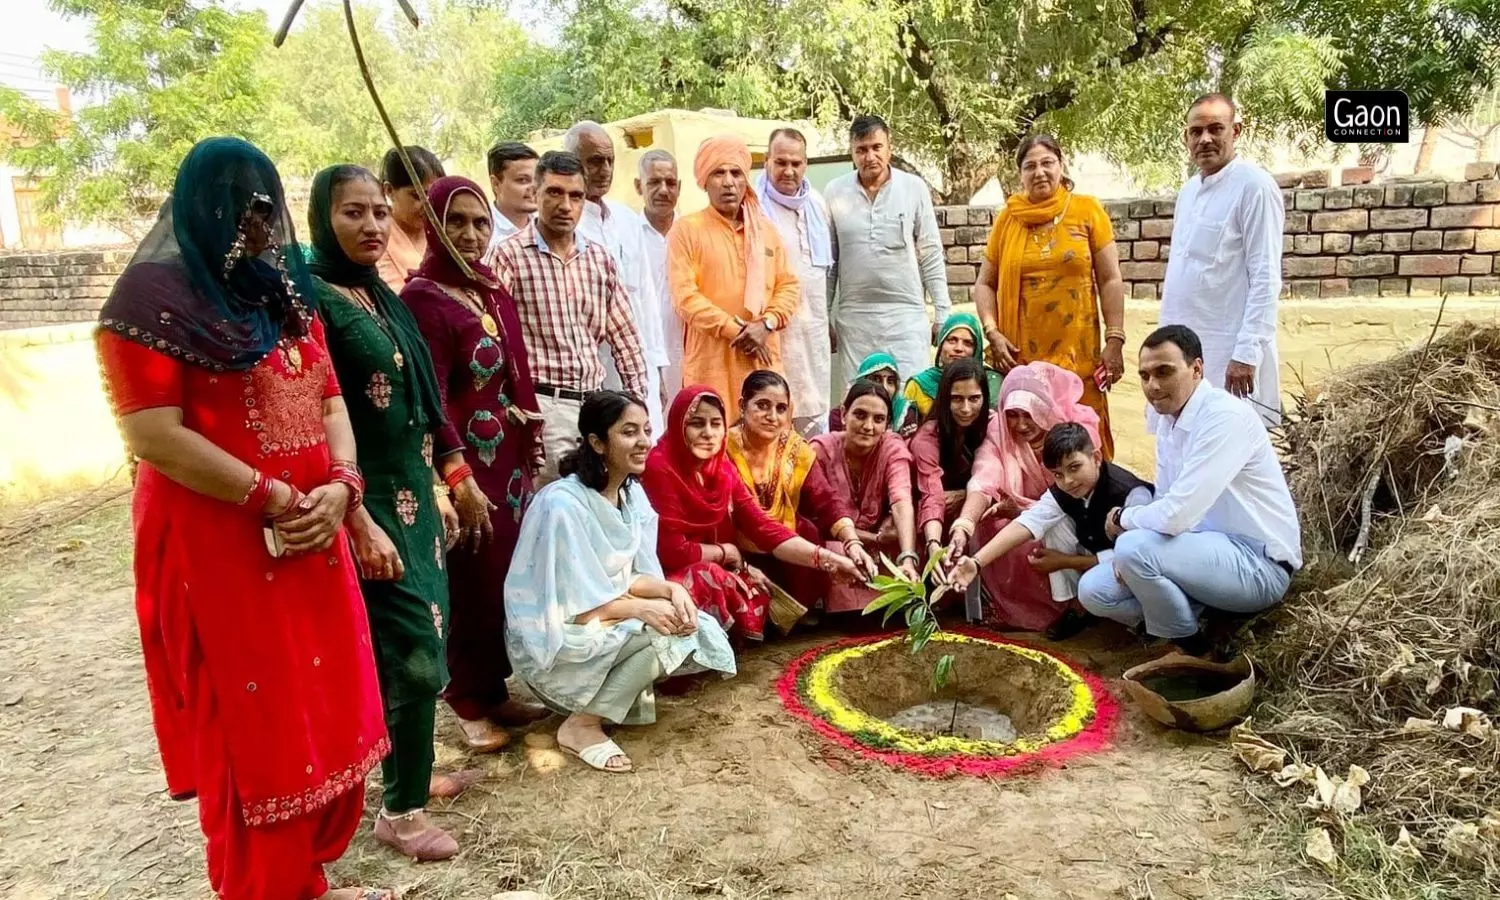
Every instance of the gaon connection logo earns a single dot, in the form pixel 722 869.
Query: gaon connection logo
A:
pixel 1366 117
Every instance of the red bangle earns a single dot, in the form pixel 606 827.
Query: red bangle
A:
pixel 348 474
pixel 259 494
pixel 456 476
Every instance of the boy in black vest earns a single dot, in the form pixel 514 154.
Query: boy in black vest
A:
pixel 1068 520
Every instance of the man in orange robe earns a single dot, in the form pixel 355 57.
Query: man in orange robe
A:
pixel 730 279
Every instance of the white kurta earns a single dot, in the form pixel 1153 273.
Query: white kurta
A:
pixel 618 228
pixel 1224 275
pixel 500 229
pixel 655 244
pixel 805 351
pixel 888 259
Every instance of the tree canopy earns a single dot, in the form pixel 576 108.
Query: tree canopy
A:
pixel 961 81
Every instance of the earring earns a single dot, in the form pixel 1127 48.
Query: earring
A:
pixel 235 254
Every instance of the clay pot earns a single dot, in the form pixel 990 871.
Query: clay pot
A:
pixel 1207 712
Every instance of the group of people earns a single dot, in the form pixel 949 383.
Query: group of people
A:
pixel 538 434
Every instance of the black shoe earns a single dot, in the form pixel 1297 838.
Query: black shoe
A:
pixel 1198 644
pixel 1068 624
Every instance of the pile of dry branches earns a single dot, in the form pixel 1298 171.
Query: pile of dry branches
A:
pixel 1395 467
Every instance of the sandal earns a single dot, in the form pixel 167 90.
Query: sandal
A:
pixel 432 844
pixel 450 785
pixel 598 756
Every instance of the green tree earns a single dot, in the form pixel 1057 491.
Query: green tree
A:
pixel 160 75
pixel 439 82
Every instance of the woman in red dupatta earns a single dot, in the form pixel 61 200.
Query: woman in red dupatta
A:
pixel 1008 474
pixel 870 467
pixel 704 507
pixel 257 650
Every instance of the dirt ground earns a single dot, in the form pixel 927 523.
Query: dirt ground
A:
pixel 732 796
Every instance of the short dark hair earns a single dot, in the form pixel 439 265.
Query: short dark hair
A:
pixel 598 414
pixel 426 163
pixel 506 152
pixel 1179 336
pixel 866 125
pixel 864 387
pixel 559 162
pixel 1215 97
pixel 790 133
pixel 1063 441
pixel 1042 140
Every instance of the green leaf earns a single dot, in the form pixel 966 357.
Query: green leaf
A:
pixel 942 672
pixel 892 598
pixel 921 634
pixel 894 569
pixel 933 562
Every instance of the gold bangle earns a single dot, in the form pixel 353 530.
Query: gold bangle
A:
pixel 964 524
pixel 1112 333
pixel 442 490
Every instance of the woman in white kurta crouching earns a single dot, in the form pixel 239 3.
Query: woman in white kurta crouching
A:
pixel 591 624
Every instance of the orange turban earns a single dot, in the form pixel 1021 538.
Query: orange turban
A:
pixel 733 151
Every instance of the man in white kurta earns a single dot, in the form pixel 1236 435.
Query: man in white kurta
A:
pixel 801 218
pixel 1224 273
pixel 887 256
pixel 659 187
pixel 618 228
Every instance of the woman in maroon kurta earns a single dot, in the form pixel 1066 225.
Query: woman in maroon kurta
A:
pixel 474 335
pixel 258 659
pixel 705 508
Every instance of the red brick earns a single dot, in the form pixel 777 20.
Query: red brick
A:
pixel 1309 267
pixel 1156 228
pixel 1147 271
pixel 1397 219
pixel 1463 217
pixel 1357 175
pixel 1345 220
pixel 1476 264
pixel 1366 266
pixel 1429 266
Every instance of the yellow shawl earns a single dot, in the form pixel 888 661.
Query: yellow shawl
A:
pixel 1014 222
pixel 792 459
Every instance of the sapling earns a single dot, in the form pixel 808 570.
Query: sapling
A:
pixel 911 599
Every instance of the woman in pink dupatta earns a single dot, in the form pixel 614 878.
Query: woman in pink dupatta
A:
pixel 869 466
pixel 1008 473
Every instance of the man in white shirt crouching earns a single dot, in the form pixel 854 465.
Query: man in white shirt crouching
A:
pixel 1222 531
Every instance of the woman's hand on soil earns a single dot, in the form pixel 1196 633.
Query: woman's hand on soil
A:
pixel 474 510
pixel 311 525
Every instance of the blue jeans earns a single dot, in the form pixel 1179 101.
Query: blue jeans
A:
pixel 1167 580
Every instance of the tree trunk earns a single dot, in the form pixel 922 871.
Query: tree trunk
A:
pixel 1425 151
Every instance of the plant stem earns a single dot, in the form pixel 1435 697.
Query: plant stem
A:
pixel 953 722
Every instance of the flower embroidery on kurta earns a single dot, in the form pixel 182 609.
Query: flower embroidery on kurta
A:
pixel 427 450
pixel 284 408
pixel 485 361
pixel 379 390
pixel 437 552
pixel 485 433
pixel 437 618
pixel 406 506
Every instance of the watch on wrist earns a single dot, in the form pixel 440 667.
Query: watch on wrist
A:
pixel 772 321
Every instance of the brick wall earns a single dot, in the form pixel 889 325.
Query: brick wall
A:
pixel 56 287
pixel 1360 240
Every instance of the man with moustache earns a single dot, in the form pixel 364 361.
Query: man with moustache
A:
pixel 731 282
pixel 887 255
pixel 1222 531
pixel 512 168
pixel 801 218
pixel 570 301
pixel 617 228
pixel 659 187
pixel 1224 272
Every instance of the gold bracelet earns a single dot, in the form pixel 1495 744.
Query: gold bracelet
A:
pixel 442 490
pixel 964 524
pixel 1112 333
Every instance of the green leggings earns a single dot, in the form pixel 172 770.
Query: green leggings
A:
pixel 407 771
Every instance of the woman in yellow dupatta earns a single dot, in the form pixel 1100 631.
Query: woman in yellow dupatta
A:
pixel 1051 272
pixel 779 467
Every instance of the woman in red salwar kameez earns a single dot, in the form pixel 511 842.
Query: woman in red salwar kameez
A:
pixel 258 664
pixel 704 508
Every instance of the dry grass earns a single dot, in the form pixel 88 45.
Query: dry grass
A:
pixel 1395 467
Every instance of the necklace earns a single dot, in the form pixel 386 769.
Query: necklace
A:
pixel 1033 232
pixel 765 491
pixel 471 302
pixel 291 354
pixel 358 297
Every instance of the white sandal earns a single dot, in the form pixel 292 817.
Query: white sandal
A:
pixel 597 756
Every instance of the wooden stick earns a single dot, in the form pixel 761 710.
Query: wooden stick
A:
pixel 286 23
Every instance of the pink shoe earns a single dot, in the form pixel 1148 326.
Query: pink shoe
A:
pixel 430 845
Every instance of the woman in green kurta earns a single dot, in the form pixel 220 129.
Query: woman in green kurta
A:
pixel 400 531
pixel 960 338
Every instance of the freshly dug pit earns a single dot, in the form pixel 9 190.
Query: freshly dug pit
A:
pixel 1181 685
pixel 891 680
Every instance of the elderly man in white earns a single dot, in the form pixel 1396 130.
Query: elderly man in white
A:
pixel 1224 273
pixel 659 186
pixel 887 258
pixel 801 218
pixel 1222 532
pixel 618 228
